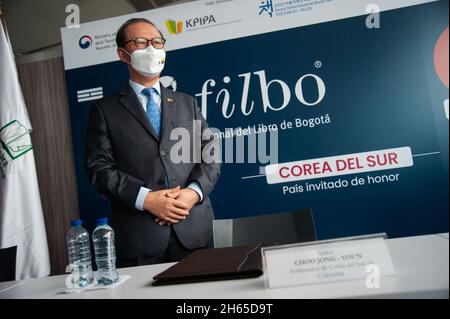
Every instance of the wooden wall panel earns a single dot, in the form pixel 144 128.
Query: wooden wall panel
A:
pixel 44 89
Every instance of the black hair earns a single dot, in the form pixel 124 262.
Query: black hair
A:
pixel 122 32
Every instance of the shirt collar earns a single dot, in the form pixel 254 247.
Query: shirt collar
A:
pixel 137 88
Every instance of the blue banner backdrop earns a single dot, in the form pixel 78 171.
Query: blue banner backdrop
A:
pixel 382 92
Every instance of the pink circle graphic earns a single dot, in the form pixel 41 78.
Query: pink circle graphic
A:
pixel 441 57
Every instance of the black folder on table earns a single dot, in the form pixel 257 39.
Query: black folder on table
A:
pixel 214 264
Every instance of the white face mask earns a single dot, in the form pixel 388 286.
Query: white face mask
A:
pixel 148 61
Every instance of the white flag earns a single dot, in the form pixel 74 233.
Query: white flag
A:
pixel 21 217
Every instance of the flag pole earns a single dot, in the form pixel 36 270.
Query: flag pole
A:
pixel 2 17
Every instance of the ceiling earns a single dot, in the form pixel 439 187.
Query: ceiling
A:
pixel 34 25
pixel 142 5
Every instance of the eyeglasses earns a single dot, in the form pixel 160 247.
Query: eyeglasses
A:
pixel 143 43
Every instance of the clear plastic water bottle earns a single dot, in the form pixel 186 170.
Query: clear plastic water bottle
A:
pixel 79 251
pixel 105 252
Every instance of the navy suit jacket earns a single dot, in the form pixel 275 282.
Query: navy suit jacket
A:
pixel 123 153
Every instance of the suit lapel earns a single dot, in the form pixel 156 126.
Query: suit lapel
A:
pixel 168 103
pixel 131 102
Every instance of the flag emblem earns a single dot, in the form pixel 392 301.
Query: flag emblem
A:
pixel 90 94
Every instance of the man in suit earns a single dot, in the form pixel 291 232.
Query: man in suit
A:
pixel 161 209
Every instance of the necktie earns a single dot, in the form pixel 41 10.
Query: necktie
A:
pixel 153 110
pixel 154 113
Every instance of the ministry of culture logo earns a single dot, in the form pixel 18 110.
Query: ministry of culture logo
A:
pixel 266 7
pixel 85 42
pixel 174 27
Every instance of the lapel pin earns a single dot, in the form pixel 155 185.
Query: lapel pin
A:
pixel 170 100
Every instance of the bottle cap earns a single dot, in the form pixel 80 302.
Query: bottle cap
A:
pixel 102 221
pixel 76 222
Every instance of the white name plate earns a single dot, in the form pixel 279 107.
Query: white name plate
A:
pixel 325 261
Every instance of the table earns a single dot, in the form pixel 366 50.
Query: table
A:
pixel 422 265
